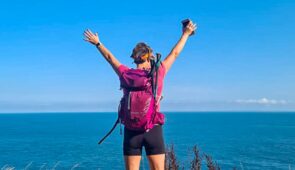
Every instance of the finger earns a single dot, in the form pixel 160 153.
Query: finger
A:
pixel 90 32
pixel 189 24
pixel 86 33
pixel 86 40
pixel 96 34
pixel 190 27
pixel 195 26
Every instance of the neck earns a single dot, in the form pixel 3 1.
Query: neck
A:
pixel 145 65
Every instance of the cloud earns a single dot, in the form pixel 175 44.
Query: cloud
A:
pixel 263 101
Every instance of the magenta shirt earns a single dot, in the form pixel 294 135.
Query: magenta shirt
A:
pixel 161 75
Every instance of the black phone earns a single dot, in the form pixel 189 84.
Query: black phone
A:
pixel 185 22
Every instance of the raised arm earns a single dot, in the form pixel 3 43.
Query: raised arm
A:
pixel 93 39
pixel 186 32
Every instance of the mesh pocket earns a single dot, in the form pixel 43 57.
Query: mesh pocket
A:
pixel 139 104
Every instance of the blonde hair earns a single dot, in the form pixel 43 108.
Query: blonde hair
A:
pixel 141 52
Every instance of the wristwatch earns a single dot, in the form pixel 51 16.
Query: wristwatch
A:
pixel 97 44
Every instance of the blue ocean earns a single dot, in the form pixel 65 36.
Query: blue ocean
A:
pixel 245 140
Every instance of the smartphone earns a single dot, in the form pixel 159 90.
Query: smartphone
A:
pixel 185 22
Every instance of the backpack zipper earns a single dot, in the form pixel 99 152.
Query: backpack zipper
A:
pixel 129 100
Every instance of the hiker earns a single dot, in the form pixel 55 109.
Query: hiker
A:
pixel 144 84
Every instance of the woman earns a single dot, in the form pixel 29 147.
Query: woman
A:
pixel 153 139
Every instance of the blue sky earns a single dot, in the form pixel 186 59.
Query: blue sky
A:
pixel 242 57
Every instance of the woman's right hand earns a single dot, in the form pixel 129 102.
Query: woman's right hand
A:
pixel 189 29
pixel 90 37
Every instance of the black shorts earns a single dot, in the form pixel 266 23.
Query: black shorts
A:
pixel 152 141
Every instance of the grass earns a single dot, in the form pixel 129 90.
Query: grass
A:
pixel 171 162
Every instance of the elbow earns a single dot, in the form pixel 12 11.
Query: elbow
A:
pixel 175 53
pixel 109 58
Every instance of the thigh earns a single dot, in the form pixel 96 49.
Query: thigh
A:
pixel 157 162
pixel 132 162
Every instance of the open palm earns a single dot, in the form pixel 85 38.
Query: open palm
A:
pixel 90 37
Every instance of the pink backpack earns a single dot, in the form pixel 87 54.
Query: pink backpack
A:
pixel 137 108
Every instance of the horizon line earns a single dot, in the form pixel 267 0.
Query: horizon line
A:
pixel 200 111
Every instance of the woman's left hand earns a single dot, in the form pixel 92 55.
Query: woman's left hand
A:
pixel 90 37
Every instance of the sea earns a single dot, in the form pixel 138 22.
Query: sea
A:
pixel 240 140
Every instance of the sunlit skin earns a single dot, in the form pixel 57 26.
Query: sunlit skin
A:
pixel 156 162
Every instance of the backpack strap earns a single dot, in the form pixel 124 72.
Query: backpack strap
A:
pixel 158 63
pixel 114 126
pixel 155 68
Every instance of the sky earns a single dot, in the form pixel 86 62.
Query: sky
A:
pixel 241 58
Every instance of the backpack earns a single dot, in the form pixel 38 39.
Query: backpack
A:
pixel 137 107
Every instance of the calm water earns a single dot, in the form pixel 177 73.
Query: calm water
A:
pixel 69 140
